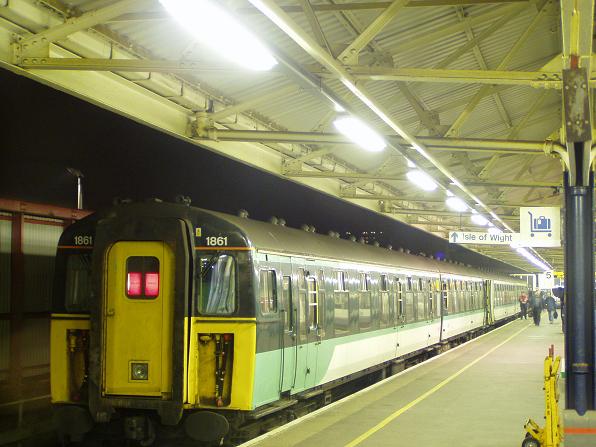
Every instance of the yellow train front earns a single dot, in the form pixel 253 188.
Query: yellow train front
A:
pixel 129 352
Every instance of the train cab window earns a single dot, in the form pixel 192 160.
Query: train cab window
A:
pixel 340 281
pixel 268 292
pixel 78 282
pixel 313 304
pixel 217 288
pixel 142 277
pixel 288 305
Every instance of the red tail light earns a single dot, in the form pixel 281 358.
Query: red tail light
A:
pixel 134 283
pixel 151 284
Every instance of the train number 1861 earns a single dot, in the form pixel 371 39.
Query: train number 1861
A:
pixel 217 241
pixel 83 240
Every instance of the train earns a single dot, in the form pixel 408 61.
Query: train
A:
pixel 167 318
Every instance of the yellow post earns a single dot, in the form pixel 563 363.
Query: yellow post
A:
pixel 550 435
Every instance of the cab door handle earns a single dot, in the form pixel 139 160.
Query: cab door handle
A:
pixel 110 313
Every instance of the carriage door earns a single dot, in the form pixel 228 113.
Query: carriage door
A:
pixel 314 324
pixel 299 298
pixel 489 317
pixel 137 315
pixel 290 335
pixel 444 305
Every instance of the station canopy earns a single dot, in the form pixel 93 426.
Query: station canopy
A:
pixel 468 92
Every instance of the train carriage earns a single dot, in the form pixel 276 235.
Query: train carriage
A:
pixel 170 315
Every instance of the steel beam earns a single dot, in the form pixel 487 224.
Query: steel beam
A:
pixel 491 77
pixel 419 199
pixel 314 24
pixel 388 177
pixel 360 6
pixel 30 44
pixel 440 213
pixel 133 65
pixel 465 114
pixel 447 144
pixel 350 54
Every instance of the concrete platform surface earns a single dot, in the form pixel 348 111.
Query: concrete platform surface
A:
pixel 477 395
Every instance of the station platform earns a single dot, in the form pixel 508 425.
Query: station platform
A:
pixel 478 394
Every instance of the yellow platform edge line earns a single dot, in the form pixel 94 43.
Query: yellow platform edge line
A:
pixel 430 392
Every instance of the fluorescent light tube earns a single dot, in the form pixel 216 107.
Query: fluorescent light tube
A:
pixel 422 180
pixel 456 204
pixel 360 133
pixel 212 25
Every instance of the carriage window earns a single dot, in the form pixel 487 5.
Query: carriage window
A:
pixel 408 284
pixel 364 282
pixel 268 292
pixel 302 293
pixel 286 296
pixel 313 311
pixel 78 282
pixel 384 284
pixel 217 287
pixel 400 299
pixel 341 311
pixel 341 281
pixel 410 315
pixel 384 301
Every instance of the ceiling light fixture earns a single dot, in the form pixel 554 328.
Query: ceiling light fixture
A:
pixel 456 204
pixel 212 25
pixel 479 219
pixel 422 180
pixel 360 133
pixel 530 257
pixel 494 230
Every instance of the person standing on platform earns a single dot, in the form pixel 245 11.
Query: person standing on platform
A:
pixel 551 307
pixel 523 304
pixel 536 306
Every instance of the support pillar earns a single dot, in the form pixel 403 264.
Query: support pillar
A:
pixel 579 299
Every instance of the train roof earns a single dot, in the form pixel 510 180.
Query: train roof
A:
pixel 265 236
pixel 281 239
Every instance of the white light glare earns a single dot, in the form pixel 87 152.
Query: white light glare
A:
pixel 479 219
pixel 213 26
pixel 360 133
pixel 422 180
pixel 411 164
pixel 494 230
pixel 337 107
pixel 449 193
pixel 456 204
pixel 530 257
